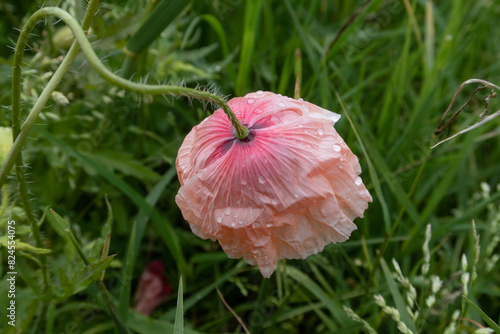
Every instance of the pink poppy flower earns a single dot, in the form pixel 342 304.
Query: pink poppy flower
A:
pixel 287 190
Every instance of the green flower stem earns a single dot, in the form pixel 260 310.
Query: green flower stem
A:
pixel 16 130
pixel 241 130
pixel 5 199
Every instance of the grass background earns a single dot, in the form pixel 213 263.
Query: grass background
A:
pixel 395 66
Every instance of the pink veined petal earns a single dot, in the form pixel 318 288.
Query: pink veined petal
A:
pixel 289 190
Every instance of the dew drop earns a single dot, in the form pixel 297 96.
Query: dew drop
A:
pixel 233 224
pixel 240 222
pixel 260 92
pixel 358 181
pixel 336 148
pixel 296 195
pixel 256 225
pixel 281 105
pixel 238 201
pixel 228 211
pixel 258 111
pixel 219 220
pixel 274 201
pixel 341 159
pixel 269 225
pixel 255 250
pixel 301 99
pixel 300 125
pixel 243 181
pixel 320 132
pixel 262 180
pixel 251 101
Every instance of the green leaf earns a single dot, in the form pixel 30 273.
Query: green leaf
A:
pixel 59 224
pixel 125 163
pixel 485 317
pixel 179 313
pixel 84 277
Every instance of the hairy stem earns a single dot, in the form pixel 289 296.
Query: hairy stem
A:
pixel 16 126
pixel 21 134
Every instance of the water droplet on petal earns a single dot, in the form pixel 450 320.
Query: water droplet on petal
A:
pixel 240 222
pixel 256 225
pixel 274 201
pixel 238 201
pixel 233 224
pixel 281 105
pixel 296 195
pixel 301 99
pixel 255 250
pixel 336 148
pixel 262 179
pixel 243 181
pixel 269 225
pixel 320 132
pixel 358 181
pixel 260 92
pixel 228 211
pixel 219 220
pixel 251 101
pixel 258 111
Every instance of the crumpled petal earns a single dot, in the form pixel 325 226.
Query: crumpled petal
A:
pixel 288 190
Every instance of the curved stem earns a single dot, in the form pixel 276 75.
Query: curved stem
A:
pixel 80 37
pixel 16 126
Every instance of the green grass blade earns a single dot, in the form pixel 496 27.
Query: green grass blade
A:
pixel 250 29
pixel 485 317
pixel 163 14
pixel 127 277
pixel 396 295
pixel 191 301
pixel 179 313
pixel 332 305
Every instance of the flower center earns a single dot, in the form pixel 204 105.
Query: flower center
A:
pixel 249 138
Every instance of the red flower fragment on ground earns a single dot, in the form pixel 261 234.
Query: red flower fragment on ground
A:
pixel 153 288
pixel 288 189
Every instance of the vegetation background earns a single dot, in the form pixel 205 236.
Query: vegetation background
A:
pixel 395 66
